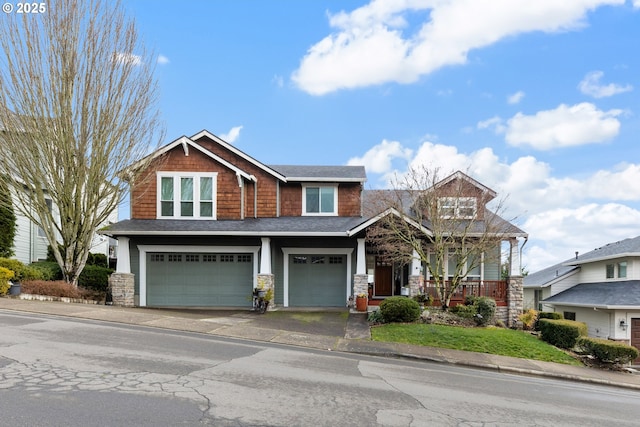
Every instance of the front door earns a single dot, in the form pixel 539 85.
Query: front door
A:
pixel 383 283
pixel 635 337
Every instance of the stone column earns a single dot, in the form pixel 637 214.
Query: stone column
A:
pixel 515 297
pixel 415 275
pixel 266 282
pixel 122 289
pixel 122 283
pixel 360 286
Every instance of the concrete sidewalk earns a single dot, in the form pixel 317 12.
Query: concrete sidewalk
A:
pixel 333 330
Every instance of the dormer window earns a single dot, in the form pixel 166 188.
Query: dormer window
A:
pixel 320 200
pixel 186 195
pixel 457 207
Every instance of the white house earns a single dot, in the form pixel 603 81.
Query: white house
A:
pixel 600 288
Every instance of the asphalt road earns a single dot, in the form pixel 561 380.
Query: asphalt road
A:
pixel 58 371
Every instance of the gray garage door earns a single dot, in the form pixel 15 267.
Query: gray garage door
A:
pixel 199 279
pixel 317 280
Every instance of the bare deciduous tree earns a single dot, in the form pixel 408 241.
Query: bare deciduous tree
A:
pixel 81 85
pixel 439 220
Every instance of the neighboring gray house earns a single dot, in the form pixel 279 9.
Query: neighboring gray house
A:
pixel 600 288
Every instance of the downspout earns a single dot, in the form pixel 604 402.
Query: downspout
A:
pixel 255 198
pixel 526 239
pixel 278 198
pixel 242 195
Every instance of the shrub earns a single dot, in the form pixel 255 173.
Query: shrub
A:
pixel 375 317
pixel 562 333
pixel 48 270
pixel 546 315
pixel 423 299
pixel 21 271
pixel 465 311
pixel 399 309
pixel 5 276
pixel 55 288
pixel 486 310
pixel 470 299
pixel 606 351
pixel 98 259
pixel 95 278
pixel 528 319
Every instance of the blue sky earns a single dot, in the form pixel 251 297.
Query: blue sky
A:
pixel 537 100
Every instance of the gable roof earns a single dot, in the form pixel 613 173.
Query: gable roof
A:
pixel 186 144
pixel 619 249
pixel 238 152
pixel 462 176
pixel 605 295
pixel 548 276
pixel 297 173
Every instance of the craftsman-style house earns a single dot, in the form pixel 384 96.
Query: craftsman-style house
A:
pixel 209 223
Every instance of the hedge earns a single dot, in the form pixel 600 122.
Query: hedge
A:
pixel 607 351
pixel 399 309
pixel 562 333
pixel 546 315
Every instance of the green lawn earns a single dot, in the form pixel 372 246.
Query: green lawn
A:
pixel 505 342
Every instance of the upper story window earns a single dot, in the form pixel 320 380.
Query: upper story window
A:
pixel 622 269
pixel 457 207
pixel 320 200
pixel 618 270
pixel 186 195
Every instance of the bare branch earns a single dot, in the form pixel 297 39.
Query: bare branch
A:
pixel 80 84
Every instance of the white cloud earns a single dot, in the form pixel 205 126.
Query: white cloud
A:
pixel 636 4
pixel 374 44
pixel 564 126
pixel 232 135
pixel 561 214
pixel 591 86
pixel 495 123
pixel 515 98
pixel 379 158
pixel 163 60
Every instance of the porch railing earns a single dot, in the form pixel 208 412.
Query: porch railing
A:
pixel 496 289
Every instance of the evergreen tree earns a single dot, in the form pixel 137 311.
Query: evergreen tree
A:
pixel 7 222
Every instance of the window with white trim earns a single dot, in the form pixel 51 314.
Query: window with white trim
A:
pixel 186 195
pixel 320 200
pixel 458 207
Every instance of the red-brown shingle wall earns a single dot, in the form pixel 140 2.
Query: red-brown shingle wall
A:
pixel 267 183
pixel 291 199
pixel 349 199
pixel 144 191
pixel 229 194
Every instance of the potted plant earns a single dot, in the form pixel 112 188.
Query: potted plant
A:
pixel 362 300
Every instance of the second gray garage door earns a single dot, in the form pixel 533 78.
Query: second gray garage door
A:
pixel 317 280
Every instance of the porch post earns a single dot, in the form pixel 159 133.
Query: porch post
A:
pixel 121 283
pixel 265 278
pixel 265 256
pixel 123 262
pixel 360 279
pixel 361 258
pixel 415 275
